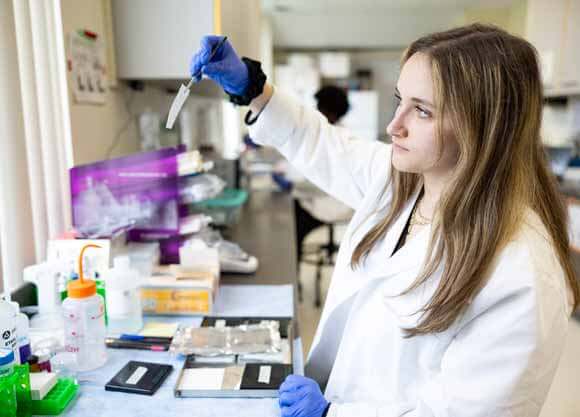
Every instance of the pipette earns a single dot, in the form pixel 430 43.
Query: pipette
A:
pixel 184 90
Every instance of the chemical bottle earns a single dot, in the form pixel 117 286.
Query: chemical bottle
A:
pixel 22 333
pixel 8 403
pixel 8 324
pixel 84 321
pixel 47 277
pixel 102 291
pixel 123 297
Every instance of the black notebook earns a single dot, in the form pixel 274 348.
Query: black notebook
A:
pixel 139 378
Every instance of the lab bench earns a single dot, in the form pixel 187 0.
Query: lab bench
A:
pixel 233 300
pixel 265 230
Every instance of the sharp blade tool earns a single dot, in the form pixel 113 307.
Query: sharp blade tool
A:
pixel 184 90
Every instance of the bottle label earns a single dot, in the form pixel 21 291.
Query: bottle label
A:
pixel 81 324
pixel 8 340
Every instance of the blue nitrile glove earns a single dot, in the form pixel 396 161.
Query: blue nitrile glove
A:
pixel 226 68
pixel 301 397
pixel 282 181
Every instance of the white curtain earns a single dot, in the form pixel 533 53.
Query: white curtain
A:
pixel 35 142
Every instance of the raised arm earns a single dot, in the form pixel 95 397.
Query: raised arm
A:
pixel 327 155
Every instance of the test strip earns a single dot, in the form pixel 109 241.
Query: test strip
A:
pixel 136 376
pixel 264 375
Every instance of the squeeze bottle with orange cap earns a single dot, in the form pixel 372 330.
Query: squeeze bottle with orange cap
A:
pixel 84 321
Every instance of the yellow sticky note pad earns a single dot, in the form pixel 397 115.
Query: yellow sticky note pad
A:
pixel 157 329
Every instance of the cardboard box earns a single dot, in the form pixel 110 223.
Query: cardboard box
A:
pixel 176 290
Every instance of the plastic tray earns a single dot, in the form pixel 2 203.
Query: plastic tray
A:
pixel 23 390
pixel 57 399
pixel 225 208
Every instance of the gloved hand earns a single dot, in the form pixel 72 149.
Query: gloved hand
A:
pixel 301 397
pixel 282 181
pixel 225 68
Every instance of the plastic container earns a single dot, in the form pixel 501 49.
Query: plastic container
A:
pixel 64 365
pixel 23 395
pixel 57 399
pixel 8 403
pixel 102 291
pixel 225 209
pixel 22 334
pixel 8 328
pixel 84 322
pixel 48 278
pixel 124 297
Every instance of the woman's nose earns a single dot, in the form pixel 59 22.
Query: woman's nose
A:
pixel 397 126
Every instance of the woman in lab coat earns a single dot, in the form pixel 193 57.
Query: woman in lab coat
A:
pixel 453 285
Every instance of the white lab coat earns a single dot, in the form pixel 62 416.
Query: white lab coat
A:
pixel 316 202
pixel 497 359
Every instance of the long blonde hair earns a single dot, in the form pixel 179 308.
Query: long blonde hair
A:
pixel 487 85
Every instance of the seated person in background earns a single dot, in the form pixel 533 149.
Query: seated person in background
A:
pixel 314 206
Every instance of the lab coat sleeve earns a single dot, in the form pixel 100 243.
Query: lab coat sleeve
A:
pixel 327 155
pixel 500 363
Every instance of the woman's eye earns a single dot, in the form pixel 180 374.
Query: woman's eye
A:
pixel 423 114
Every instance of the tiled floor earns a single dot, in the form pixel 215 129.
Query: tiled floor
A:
pixel 564 396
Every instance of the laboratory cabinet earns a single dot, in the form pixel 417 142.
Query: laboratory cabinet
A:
pixel 553 27
pixel 155 39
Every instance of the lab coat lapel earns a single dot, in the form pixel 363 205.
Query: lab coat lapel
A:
pixel 379 263
pixel 395 274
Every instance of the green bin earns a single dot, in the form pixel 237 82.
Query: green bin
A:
pixel 224 209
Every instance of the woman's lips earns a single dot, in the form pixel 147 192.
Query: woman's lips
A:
pixel 399 147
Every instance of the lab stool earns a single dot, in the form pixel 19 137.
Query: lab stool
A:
pixel 319 255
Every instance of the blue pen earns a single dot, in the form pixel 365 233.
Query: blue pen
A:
pixel 139 338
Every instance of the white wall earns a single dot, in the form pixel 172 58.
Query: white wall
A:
pixel 95 126
pixel 385 68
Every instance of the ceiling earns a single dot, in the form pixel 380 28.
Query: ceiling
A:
pixel 387 24
pixel 351 6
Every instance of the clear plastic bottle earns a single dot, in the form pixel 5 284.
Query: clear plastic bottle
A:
pixel 84 321
pixel 123 297
pixel 8 326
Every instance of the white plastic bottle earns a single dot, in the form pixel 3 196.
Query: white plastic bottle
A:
pixel 8 325
pixel 123 297
pixel 22 334
pixel 84 322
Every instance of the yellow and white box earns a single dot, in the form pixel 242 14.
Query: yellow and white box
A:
pixel 180 291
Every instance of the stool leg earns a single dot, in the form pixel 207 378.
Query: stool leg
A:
pixel 317 285
pixel 300 291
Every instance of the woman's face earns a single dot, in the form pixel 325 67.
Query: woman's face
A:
pixel 413 128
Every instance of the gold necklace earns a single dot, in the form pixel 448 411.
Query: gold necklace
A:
pixel 415 221
pixel 422 218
